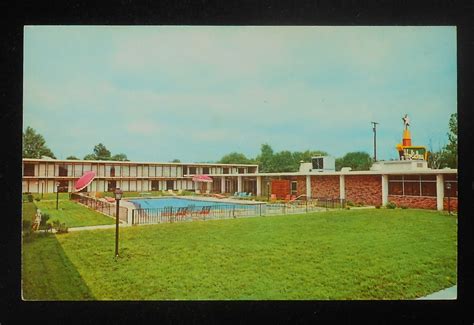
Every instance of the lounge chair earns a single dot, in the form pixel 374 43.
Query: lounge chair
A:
pixel 182 212
pixel 273 197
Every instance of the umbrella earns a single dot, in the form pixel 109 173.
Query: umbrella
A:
pixel 85 180
pixel 202 178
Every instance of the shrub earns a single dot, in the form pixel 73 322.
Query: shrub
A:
pixel 377 206
pixel 403 207
pixel 350 203
pixel 60 227
pixel 390 205
pixel 37 199
pixel 44 225
pixel 29 197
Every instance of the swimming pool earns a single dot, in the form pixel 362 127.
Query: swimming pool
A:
pixel 181 203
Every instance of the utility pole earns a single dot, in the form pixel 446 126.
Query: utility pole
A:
pixel 374 128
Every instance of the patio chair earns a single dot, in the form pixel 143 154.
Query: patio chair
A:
pixel 205 211
pixel 167 212
pixel 288 197
pixel 273 197
pixel 181 213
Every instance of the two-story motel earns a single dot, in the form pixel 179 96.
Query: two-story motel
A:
pixel 406 183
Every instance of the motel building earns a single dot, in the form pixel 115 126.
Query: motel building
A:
pixel 407 183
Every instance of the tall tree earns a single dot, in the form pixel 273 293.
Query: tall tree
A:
pixel 265 159
pixel 101 152
pixel 34 145
pixel 72 158
pixel 175 160
pixel 356 160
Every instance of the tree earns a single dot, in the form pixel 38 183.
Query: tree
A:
pixel 119 157
pixel 356 160
pixel 101 152
pixel 265 159
pixel 175 161
pixel 34 145
pixel 72 158
pixel 90 156
pixel 283 161
pixel 451 149
pixel 235 158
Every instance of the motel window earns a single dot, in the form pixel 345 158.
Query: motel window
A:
pixel 155 185
pixel 111 185
pixel 112 171
pixel 225 170
pixel 241 171
pixel 29 170
pixel 62 170
pixel 192 170
pixel 412 185
pixel 205 170
pixel 294 187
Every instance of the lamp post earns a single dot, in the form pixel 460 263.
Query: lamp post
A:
pixel 118 196
pixel 448 187
pixel 57 196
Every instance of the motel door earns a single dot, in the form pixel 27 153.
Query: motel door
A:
pixel 169 185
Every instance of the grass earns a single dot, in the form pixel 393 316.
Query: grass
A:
pixel 73 214
pixel 362 254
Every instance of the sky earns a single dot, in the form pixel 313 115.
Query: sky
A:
pixel 196 93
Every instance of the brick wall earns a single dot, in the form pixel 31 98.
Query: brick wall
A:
pixel 365 189
pixel 453 202
pixel 417 202
pixel 325 186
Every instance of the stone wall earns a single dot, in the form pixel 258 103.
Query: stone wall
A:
pixel 417 202
pixel 365 189
pixel 453 202
pixel 325 186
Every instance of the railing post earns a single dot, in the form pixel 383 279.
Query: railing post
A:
pixel 233 211
pixel 133 214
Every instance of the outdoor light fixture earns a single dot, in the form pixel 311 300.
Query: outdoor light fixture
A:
pixel 57 196
pixel 448 187
pixel 118 196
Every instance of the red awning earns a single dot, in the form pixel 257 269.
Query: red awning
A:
pixel 85 180
pixel 202 178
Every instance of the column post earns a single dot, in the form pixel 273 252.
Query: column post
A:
pixel 239 183
pixel 342 187
pixel 259 186
pixel 308 187
pixel 223 184
pixel 440 192
pixel 384 189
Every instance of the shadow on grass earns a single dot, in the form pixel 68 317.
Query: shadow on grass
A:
pixel 47 272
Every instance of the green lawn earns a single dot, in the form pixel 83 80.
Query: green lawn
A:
pixel 73 214
pixel 361 254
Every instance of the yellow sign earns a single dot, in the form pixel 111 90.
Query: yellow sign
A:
pixel 412 152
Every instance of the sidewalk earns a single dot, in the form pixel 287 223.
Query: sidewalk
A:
pixel 446 294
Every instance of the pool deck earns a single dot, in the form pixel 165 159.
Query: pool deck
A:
pixel 195 198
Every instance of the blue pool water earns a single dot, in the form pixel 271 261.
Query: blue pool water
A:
pixel 178 203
